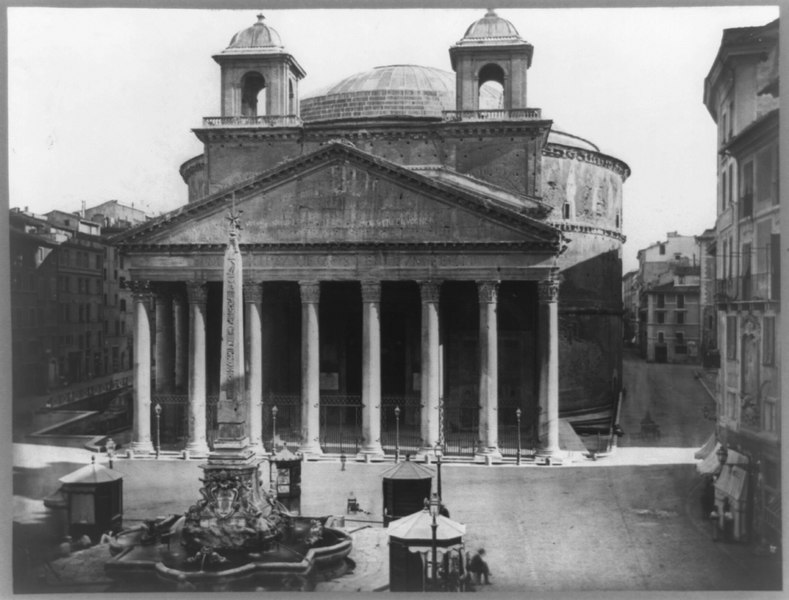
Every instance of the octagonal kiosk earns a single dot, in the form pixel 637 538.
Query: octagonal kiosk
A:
pixel 285 473
pixel 412 546
pixel 405 487
pixel 94 500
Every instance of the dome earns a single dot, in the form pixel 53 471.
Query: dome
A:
pixel 256 38
pixel 491 29
pixel 393 90
pixel 559 137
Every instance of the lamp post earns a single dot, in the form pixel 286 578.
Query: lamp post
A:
pixel 434 507
pixel 157 410
pixel 518 419
pixel 110 446
pixel 397 434
pixel 439 453
pixel 274 411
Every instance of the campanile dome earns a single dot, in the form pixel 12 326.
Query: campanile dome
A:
pixel 255 39
pixel 490 29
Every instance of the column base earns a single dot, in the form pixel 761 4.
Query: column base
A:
pixel 489 456
pixel 426 454
pixel 549 457
pixel 144 447
pixel 373 453
pixel 197 449
pixel 310 451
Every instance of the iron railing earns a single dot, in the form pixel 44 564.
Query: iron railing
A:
pixel 513 114
pixel 743 288
pixel 253 121
pixel 410 423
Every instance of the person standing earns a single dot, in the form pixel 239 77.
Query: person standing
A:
pixel 479 567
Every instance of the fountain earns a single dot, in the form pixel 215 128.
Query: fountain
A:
pixel 237 536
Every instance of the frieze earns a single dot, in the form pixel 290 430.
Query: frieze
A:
pixel 587 156
pixel 371 291
pixel 548 290
pixel 310 291
pixel 430 291
pixel 612 233
pixel 196 292
pixel 488 291
pixel 253 292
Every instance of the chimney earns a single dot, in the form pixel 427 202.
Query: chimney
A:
pixel 82 212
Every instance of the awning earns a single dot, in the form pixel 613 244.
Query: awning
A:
pixel 710 465
pixel 708 447
pixel 416 528
pixel 733 482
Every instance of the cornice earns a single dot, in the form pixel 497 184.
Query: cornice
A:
pixel 575 228
pixel 588 156
pixel 352 247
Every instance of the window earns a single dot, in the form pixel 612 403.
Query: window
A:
pixel 731 337
pixel 660 316
pixel 746 190
pixel 661 338
pixel 680 337
pixel 730 192
pixel 768 340
pixel 662 249
pixel 566 210
pixel 679 318
pixel 680 301
pixel 661 301
pixel 775 266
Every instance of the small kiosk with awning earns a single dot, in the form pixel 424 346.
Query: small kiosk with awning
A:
pixel 426 552
pixel 94 500
pixel 405 487
pixel 731 488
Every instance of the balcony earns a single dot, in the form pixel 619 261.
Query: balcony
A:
pixel 514 114
pixel 760 287
pixel 253 121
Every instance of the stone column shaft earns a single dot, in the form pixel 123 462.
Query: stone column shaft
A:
pixel 197 294
pixel 141 426
pixel 310 370
pixel 430 376
pixel 371 371
pixel 253 297
pixel 488 373
pixel 549 397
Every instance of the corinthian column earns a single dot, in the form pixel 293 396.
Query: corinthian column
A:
pixel 430 292
pixel 181 331
pixel 253 297
pixel 549 361
pixel 196 293
pixel 371 372
pixel 164 340
pixel 488 373
pixel 141 426
pixel 310 370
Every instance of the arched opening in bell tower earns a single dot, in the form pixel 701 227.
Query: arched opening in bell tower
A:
pixel 253 94
pixel 490 84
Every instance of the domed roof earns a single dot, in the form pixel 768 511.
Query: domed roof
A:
pixel 259 37
pixel 393 90
pixel 492 27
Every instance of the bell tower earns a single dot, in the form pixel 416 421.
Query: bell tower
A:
pixel 259 78
pixel 491 50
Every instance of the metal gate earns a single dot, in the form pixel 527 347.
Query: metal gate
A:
pixel 341 423
pixel 401 424
pixel 284 422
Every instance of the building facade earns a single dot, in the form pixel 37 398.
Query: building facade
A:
pixel 71 322
pixel 741 94
pixel 415 264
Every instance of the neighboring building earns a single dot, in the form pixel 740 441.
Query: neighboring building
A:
pixel 672 316
pixel 708 309
pixel 391 208
pixel 741 94
pixel 668 272
pixel 71 322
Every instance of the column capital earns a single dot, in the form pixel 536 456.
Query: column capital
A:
pixel 430 291
pixel 371 291
pixel 140 289
pixel 310 292
pixel 196 292
pixel 548 290
pixel 253 292
pixel 488 291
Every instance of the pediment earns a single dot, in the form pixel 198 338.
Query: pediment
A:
pixel 346 197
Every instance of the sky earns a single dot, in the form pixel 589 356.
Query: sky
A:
pixel 102 100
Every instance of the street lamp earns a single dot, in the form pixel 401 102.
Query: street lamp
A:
pixel 439 453
pixel 397 434
pixel 157 410
pixel 110 446
pixel 434 507
pixel 274 411
pixel 518 419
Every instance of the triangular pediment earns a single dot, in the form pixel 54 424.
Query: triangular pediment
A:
pixel 340 195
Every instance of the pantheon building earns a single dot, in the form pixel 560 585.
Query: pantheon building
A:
pixel 429 264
